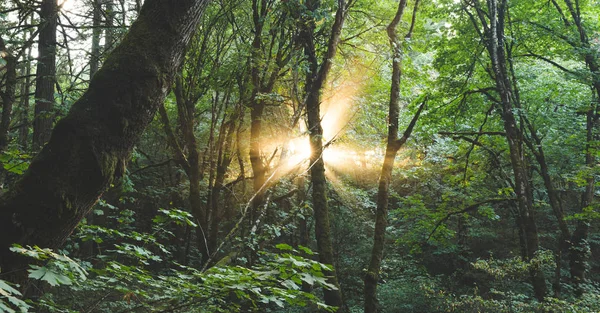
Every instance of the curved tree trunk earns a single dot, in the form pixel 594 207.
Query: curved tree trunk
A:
pixel 392 147
pixel 89 147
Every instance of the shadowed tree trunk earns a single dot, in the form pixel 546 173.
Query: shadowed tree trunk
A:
pixel 190 162
pixel 45 74
pixel 393 145
pixel 494 38
pixel 9 84
pixel 316 79
pixel 537 149
pixel 89 147
pixel 96 32
pixel 224 158
pixel 192 83
pixel 579 240
pixel 265 68
pixel 24 100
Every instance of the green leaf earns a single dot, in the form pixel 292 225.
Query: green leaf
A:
pixel 6 289
pixel 290 284
pixel 45 274
pixel 285 247
pixel 306 250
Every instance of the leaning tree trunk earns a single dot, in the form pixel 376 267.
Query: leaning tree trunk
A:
pixel 89 147
pixel 45 75
pixel 392 147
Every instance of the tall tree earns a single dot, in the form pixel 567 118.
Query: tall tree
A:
pixel 9 83
pixel 193 83
pixel 89 147
pixel 316 78
pixel 45 74
pixel 393 145
pixel 490 24
pixel 580 247
pixel 96 33
pixel 265 68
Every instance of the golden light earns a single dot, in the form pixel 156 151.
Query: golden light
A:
pixel 299 151
pixel 337 108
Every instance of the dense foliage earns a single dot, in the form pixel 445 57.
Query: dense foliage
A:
pixel 492 202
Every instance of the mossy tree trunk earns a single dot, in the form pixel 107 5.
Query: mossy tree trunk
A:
pixel 316 79
pixel 89 147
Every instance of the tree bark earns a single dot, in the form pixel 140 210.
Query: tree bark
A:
pixel 109 32
pixel 25 91
pixel 96 33
pixel 393 145
pixel 315 81
pixel 89 147
pixel 45 74
pixel 579 252
pixel 263 81
pixel 8 94
pixel 514 136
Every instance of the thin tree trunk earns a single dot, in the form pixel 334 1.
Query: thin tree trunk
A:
pixel 392 147
pixel 224 160
pixel 25 91
pixel 45 74
pixel 263 81
pixel 90 146
pixel 96 32
pixel 580 249
pixel 555 203
pixel 8 94
pixel 190 163
pixel 579 246
pixel 109 32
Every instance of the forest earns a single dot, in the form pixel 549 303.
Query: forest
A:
pixel 299 156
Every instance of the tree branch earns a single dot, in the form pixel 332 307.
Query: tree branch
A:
pixel 470 208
